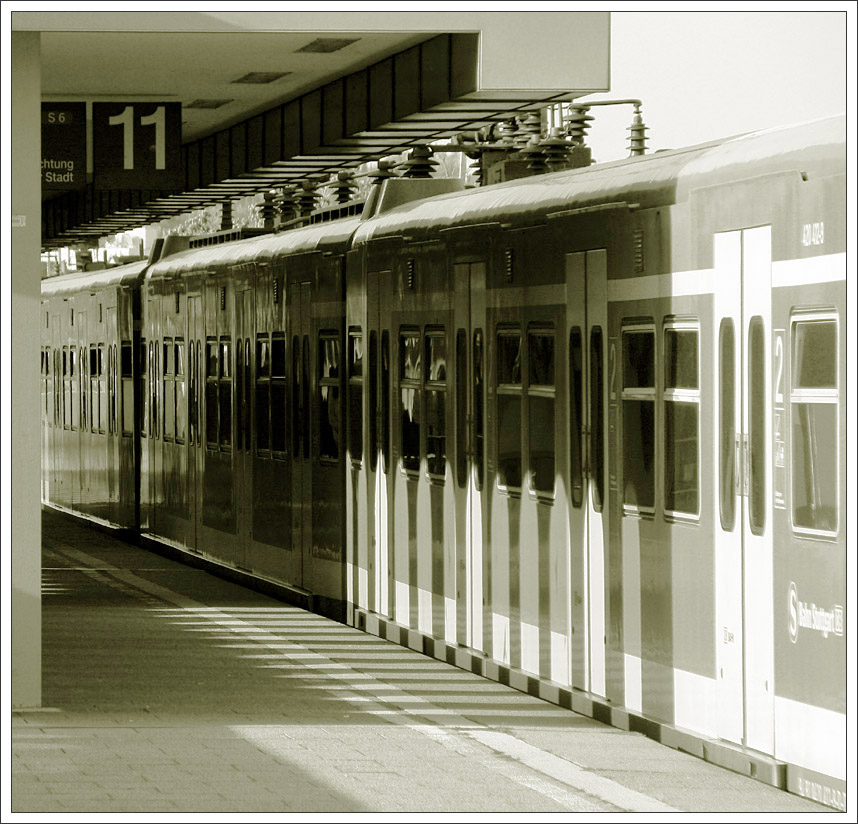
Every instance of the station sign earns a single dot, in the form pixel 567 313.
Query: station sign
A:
pixel 63 146
pixel 137 146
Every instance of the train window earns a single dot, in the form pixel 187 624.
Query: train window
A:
pixel 385 401
pixel 540 401
pixel 211 358
pixel 296 396
pixel 329 396
pixel 181 400
pixel 278 355
pixel 576 423
pixel 144 389
pixel 409 385
pixel 263 393
pixel 153 388
pixel 112 372
pixel 597 417
pixel 436 402
pixel 681 416
pixel 169 387
pixel 211 393
pixel 305 398
pixel 509 407
pixel 461 407
pixel 355 395
pixel 225 357
pixel 814 434
pixel 84 389
pixel 727 425
pixel 638 347
pixel 73 384
pixel 169 357
pixel 278 395
pixel 509 357
pixel 372 399
pixel 93 388
pixel 479 403
pixel 757 423
pixel 240 406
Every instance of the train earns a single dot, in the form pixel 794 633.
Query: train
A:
pixel 582 431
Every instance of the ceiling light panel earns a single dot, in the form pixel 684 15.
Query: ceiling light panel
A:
pixel 207 103
pixel 326 45
pixel 261 77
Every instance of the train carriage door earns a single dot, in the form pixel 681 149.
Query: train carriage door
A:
pixel 196 336
pixel 245 332
pixel 744 574
pixel 299 325
pixel 586 284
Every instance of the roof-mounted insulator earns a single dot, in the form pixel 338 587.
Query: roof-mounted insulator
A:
pixel 306 198
pixel 383 171
pixel 420 163
pixel 343 187
pixel 528 128
pixel 532 152
pixel 226 215
pixel 577 123
pixel 637 134
pixel 555 150
pixel 505 132
pixel 266 210
pixel 286 204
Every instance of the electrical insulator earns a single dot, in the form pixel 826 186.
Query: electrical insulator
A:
pixel 266 210
pixel 637 135
pixel 556 150
pixel 306 198
pixel 533 154
pixel 506 132
pixel 343 187
pixel 528 128
pixel 577 123
pixel 420 163
pixel 286 204
pixel 383 171
pixel 226 215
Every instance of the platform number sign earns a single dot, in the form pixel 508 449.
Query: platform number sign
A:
pixel 63 146
pixel 137 146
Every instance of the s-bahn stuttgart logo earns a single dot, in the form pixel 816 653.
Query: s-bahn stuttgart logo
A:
pixel 810 616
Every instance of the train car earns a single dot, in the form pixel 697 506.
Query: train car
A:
pixel 581 432
pixel 90 448
pixel 242 441
pixel 609 412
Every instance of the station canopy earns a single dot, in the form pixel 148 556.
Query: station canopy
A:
pixel 274 98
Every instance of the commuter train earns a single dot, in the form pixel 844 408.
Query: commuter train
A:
pixel 583 432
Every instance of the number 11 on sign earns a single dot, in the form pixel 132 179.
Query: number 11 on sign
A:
pixel 156 119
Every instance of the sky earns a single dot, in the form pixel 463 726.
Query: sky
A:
pixel 708 74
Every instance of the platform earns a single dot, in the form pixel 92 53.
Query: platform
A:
pixel 167 689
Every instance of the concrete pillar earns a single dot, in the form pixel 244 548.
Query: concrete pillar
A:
pixel 25 419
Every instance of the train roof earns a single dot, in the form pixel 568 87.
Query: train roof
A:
pixel 331 236
pixel 816 148
pixel 128 274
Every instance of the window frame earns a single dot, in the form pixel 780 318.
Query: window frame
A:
pixel 815 395
pixel 547 392
pixel 648 394
pixel 509 390
pixel 679 395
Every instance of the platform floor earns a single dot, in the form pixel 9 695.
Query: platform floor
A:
pixel 167 689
